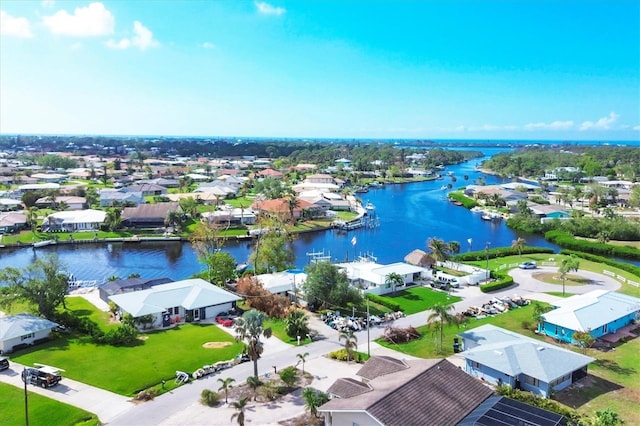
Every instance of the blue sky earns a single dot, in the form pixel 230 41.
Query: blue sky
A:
pixel 563 70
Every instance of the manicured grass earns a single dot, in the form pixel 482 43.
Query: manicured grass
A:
pixel 81 307
pixel 510 262
pixel 418 299
pixel 278 330
pixel 559 294
pixel 554 278
pixel 342 215
pixel 42 410
pixel 127 370
pixel 428 346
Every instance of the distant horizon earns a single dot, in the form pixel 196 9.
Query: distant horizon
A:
pixel 348 69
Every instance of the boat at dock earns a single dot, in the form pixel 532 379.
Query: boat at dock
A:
pixel 43 243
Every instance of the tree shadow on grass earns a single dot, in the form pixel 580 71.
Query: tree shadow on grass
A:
pixel 614 367
pixel 585 390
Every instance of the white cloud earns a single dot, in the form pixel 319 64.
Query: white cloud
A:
pixel 93 20
pixel 12 26
pixel 142 39
pixel 602 124
pixel 266 9
pixel 556 125
pixel 636 127
pixel 48 4
pixel 208 45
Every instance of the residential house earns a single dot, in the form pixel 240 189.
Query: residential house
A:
pixel 149 215
pixel 17 331
pixel 127 285
pixel 146 189
pixel 49 177
pixel 547 212
pixel 502 357
pixel 7 204
pixel 270 173
pixel 71 202
pixel 12 222
pixel 163 182
pixel 118 197
pixel 177 302
pixel 412 392
pixel 236 216
pixel 281 207
pixel 372 277
pixel 38 186
pixel 320 178
pixel 74 221
pixel 283 283
pixel 602 314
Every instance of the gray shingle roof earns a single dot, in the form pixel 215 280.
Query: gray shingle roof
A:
pixel 346 388
pixel 381 365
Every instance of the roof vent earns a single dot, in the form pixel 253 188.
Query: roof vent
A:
pixel 540 348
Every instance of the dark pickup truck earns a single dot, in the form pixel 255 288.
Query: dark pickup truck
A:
pixel 40 377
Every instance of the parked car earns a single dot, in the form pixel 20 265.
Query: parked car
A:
pixel 528 265
pixel 225 321
pixel 4 363
pixel 43 376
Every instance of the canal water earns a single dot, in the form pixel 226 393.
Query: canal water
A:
pixel 408 215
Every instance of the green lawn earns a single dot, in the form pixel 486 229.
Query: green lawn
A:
pixel 278 330
pixel 42 410
pixel 418 299
pixel 133 368
pixel 510 262
pixel 81 307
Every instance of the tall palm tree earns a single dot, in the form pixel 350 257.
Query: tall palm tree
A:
pixel 439 249
pixel 296 323
pixel 439 316
pixel 249 328
pixel 303 359
pixel 569 264
pixel 113 218
pixel 519 244
pixel 225 385
pixel 292 204
pixel 394 280
pixel 350 343
pixel 240 407
pixel 454 247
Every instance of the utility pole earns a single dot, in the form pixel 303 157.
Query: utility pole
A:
pixel 26 396
pixel 368 325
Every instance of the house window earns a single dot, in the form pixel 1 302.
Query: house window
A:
pixel 176 310
pixel 531 381
pixel 604 329
pixel 475 365
pixel 27 336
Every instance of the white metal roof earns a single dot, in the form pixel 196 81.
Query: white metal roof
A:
pixel 13 326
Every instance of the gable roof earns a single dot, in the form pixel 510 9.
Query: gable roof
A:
pixel 431 391
pixel 347 387
pixel 380 365
pixel 419 258
pixel 515 354
pixel 190 294
pixel 113 287
pixel 22 324
pixel 591 310
pixel 157 211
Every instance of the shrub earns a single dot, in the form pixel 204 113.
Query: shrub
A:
pixel 288 376
pixel 604 260
pixel 544 403
pixel 383 301
pixel 566 240
pixel 209 398
pixel 342 355
pixel 502 281
pixel 400 335
pixel 499 252
pixel 121 336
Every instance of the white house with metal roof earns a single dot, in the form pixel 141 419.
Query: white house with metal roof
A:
pixel 598 312
pixel 193 299
pixel 500 356
pixel 372 276
pixel 72 221
pixel 23 329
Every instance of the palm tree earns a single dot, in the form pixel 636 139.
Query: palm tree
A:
pixel 240 406
pixel 292 204
pixel 254 382
pixel 569 264
pixel 439 249
pixel 394 280
pixel 303 359
pixel 113 218
pixel 519 244
pixel 296 323
pixel 314 399
pixel 538 313
pixel 249 328
pixel 350 343
pixel 225 385
pixel 439 316
pixel 454 247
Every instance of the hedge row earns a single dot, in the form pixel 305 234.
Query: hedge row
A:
pixel 467 203
pixel 628 267
pixel 384 302
pixel 502 281
pixel 566 240
pixel 499 252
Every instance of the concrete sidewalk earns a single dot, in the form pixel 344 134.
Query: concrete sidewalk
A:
pixel 106 405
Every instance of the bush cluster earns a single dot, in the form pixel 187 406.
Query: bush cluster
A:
pixel 384 302
pixel 146 395
pixel 342 355
pixel 499 252
pixel 209 398
pixel 125 334
pixel 502 281
pixel 566 240
pixel 536 401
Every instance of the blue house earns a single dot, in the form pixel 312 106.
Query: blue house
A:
pixel 502 357
pixel 599 312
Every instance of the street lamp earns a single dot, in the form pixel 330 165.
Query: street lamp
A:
pixel 486 251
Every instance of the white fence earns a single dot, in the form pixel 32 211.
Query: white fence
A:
pixel 621 278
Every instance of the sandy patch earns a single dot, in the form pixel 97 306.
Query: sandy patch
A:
pixel 143 337
pixel 215 345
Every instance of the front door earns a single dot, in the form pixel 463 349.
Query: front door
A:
pixel 196 314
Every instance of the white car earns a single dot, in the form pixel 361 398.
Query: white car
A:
pixel 528 265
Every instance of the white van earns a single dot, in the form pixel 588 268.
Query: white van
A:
pixel 443 278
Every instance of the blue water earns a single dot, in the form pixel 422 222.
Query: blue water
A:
pixel 409 215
